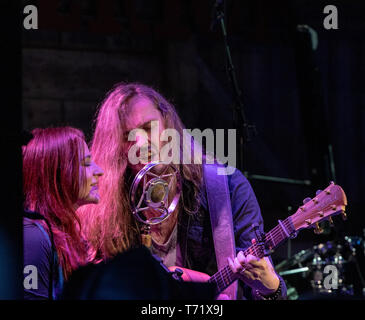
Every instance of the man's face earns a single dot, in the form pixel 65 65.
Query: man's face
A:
pixel 141 113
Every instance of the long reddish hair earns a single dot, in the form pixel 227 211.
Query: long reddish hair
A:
pixel 109 226
pixel 51 175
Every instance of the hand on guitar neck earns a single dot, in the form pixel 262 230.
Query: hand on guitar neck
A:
pixel 257 273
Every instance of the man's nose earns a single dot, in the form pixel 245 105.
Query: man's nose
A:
pixel 142 139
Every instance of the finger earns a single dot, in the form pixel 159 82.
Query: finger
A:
pixel 241 257
pixel 242 260
pixel 231 265
pixel 255 275
pixel 250 274
pixel 253 241
pixel 259 264
pixel 235 265
pixel 238 265
pixel 250 258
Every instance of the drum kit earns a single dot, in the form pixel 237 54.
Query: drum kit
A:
pixel 330 270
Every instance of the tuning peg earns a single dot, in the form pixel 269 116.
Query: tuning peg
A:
pixel 344 215
pixel 318 192
pixel 318 229
pixel 306 200
pixel 308 222
pixel 331 221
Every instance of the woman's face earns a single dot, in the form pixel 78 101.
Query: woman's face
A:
pixel 89 192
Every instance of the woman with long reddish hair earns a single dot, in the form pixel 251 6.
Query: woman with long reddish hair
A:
pixel 58 177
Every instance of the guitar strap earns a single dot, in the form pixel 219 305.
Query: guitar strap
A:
pixel 219 205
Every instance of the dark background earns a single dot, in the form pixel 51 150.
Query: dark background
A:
pixel 300 100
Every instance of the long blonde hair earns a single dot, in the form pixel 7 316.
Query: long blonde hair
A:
pixel 109 225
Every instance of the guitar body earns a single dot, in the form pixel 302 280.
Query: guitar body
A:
pixel 191 275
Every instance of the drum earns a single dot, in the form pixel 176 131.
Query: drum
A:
pixel 333 269
pixel 327 269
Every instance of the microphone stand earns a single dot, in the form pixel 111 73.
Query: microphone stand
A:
pixel 242 126
pixel 244 129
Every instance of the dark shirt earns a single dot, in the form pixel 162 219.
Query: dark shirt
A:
pixel 38 253
pixel 197 248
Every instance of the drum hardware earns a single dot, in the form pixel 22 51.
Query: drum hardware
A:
pixel 293 271
pixel 347 255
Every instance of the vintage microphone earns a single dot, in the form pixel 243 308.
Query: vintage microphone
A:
pixel 155 197
pixel 150 190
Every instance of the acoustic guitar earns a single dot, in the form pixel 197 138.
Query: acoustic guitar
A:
pixel 327 203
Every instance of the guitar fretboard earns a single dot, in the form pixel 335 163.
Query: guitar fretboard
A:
pixel 225 276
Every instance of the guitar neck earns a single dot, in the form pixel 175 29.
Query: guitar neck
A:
pixel 326 203
pixel 225 276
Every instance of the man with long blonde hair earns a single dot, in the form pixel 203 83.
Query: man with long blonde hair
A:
pixel 184 239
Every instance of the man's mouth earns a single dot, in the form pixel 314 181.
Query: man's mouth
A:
pixel 94 186
pixel 148 154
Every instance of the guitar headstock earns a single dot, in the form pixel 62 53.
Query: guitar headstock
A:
pixel 331 201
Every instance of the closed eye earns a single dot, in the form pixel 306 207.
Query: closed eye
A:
pixel 86 161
